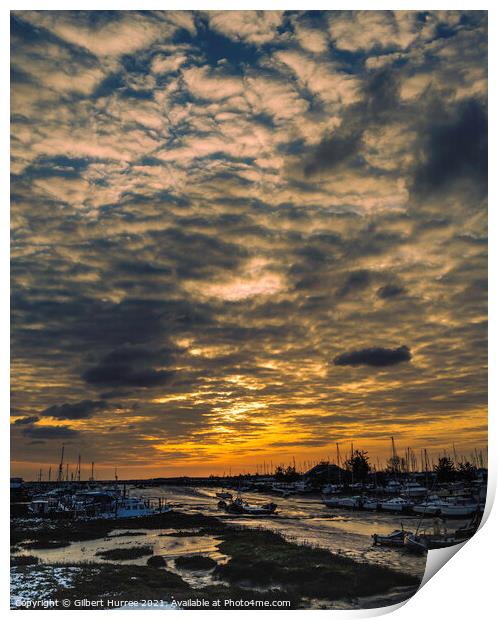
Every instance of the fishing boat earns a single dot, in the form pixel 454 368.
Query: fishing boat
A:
pixel 394 539
pixel 129 507
pixel 239 506
pixel 396 504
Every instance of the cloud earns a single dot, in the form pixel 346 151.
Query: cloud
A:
pixel 75 411
pixel 50 432
pixel 115 375
pixel 26 420
pixel 455 148
pixel 208 207
pixel 375 356
pixel 255 27
pixel 390 290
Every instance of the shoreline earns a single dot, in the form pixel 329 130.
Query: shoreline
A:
pixel 261 565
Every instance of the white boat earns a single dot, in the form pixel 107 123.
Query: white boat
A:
pixel 239 506
pixel 414 489
pixel 393 486
pixel 459 509
pixel 349 502
pixel 342 502
pixel 428 508
pixel 132 507
pixel 396 504
pixel 370 504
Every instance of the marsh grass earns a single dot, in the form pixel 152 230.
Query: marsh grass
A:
pixel 126 553
pixel 265 558
pixel 23 560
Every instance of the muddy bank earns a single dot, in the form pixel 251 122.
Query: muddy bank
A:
pixel 230 562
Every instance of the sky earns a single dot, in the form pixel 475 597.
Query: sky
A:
pixel 244 237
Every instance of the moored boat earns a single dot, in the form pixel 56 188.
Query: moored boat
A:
pixel 238 506
pixel 370 504
pixel 413 489
pixel 459 510
pixel 224 495
pixel 396 504
pixel 394 539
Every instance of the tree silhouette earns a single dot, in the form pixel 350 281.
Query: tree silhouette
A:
pixel 445 470
pixel 358 465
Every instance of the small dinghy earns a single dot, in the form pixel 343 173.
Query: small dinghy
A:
pixel 394 539
pixel 239 507
pixel 224 495
pixel 417 544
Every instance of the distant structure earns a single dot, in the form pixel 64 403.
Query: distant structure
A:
pixel 324 473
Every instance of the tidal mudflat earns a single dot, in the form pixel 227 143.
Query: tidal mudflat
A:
pixel 206 559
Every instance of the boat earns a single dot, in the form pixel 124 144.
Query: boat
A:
pixel 429 508
pixel 239 506
pixel 414 489
pixel 396 504
pixel 224 495
pixel 370 504
pixel 393 486
pixel 459 509
pixel 394 539
pixel 343 502
pixel 330 489
pixel 130 507
pixel 415 543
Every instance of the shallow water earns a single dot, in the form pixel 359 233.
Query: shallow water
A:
pixel 302 519
pixel 306 519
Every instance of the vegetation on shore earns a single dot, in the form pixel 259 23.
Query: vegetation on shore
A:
pixel 265 558
pixel 125 553
pixel 257 559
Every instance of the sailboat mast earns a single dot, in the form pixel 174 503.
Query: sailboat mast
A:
pixel 60 475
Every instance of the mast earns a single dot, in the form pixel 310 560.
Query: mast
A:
pixel 78 471
pixel 60 475
pixel 93 470
pixel 395 458
pixel 339 463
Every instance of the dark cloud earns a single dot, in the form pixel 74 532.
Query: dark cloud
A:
pixel 335 151
pixel 355 281
pixel 51 432
pixel 75 411
pixel 114 375
pixel 390 290
pixel 375 356
pixel 454 148
pixel 27 420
